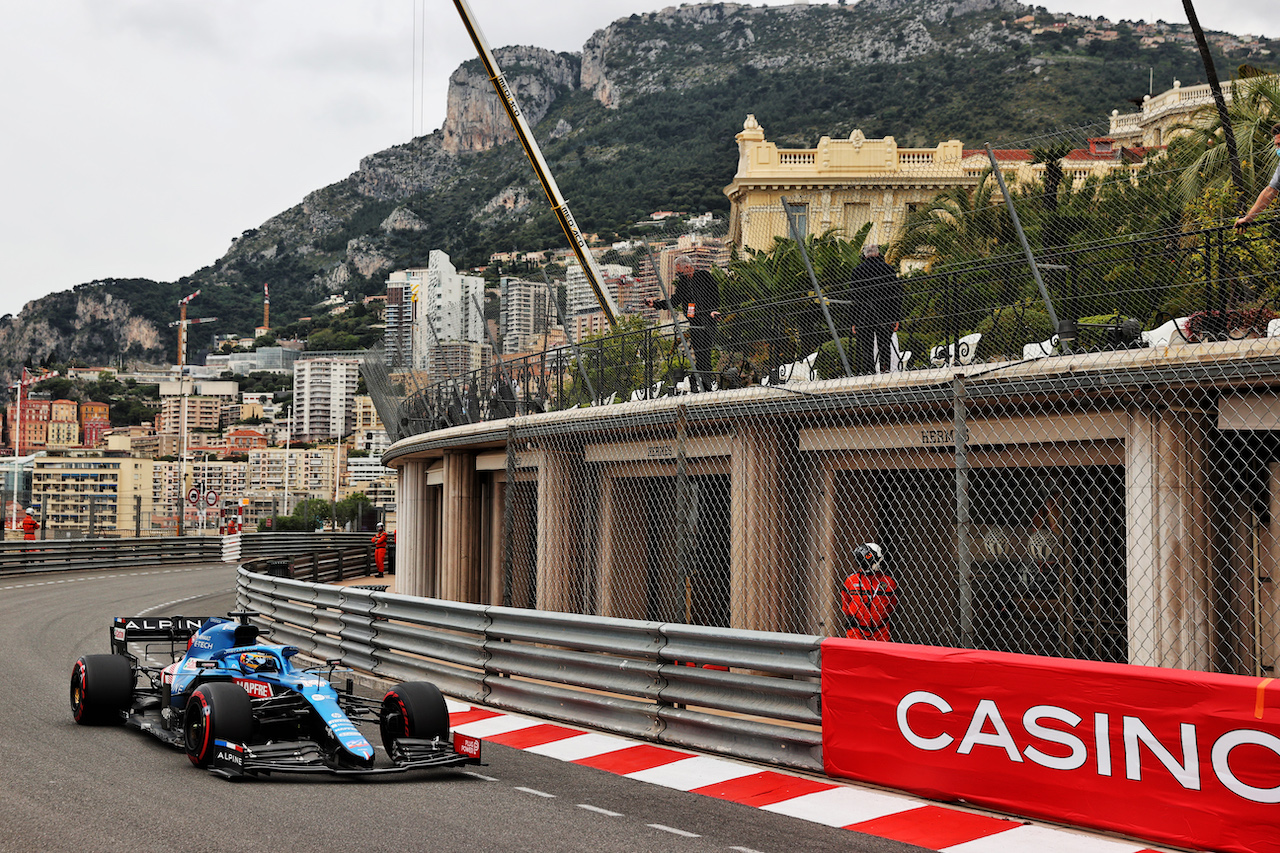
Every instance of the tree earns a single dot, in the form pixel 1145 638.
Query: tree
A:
pixel 615 360
pixel 60 388
pixel 1205 161
pixel 1051 156
pixel 772 313
pixel 357 510
pixel 308 515
pixel 959 225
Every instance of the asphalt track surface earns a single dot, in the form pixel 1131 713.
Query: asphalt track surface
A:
pixel 65 787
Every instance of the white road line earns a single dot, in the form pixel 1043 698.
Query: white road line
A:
pixel 599 810
pixel 480 776
pixel 99 578
pixel 744 850
pixel 690 773
pixel 673 830
pixel 536 792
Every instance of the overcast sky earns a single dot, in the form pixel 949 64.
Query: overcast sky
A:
pixel 140 136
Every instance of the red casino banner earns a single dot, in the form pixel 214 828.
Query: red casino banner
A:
pixel 1190 759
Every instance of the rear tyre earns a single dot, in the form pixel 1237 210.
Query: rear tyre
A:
pixel 414 709
pixel 216 711
pixel 101 687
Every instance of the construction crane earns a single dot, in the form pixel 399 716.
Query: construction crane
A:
pixel 182 322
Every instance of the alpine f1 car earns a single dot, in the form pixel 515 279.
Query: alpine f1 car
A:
pixel 240 707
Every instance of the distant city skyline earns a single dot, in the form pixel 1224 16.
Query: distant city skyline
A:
pixel 143 136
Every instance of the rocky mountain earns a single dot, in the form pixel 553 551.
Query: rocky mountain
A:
pixel 642 119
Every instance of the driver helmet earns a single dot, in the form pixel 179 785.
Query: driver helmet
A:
pixel 869 558
pixel 258 662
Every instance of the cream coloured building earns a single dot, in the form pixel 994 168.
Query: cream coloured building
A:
pixel 1159 119
pixel 843 183
pixel 848 183
pixel 83 490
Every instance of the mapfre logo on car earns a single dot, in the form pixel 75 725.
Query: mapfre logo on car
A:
pixel 259 689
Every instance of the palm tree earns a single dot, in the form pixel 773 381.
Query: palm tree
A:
pixel 1051 156
pixel 961 224
pixel 771 311
pixel 1255 106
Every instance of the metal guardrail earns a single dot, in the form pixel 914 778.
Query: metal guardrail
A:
pixel 319 556
pixel 73 554
pixel 318 565
pixel 748 694
pixel 257 545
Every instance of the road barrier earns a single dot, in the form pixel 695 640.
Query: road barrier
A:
pixel 320 566
pixel 1190 759
pixel 318 556
pixel 749 694
pixel 947 724
pixel 78 554
pixel 257 545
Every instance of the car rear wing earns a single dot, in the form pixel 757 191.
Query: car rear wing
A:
pixel 133 629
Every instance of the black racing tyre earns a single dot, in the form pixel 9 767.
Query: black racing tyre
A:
pixel 101 687
pixel 216 711
pixel 414 709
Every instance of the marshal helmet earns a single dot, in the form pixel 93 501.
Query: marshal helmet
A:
pixel 869 557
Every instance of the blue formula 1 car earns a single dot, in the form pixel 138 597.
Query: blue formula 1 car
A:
pixel 240 707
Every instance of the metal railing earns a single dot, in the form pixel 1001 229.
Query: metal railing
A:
pixel 325 553
pixel 750 694
pixel 320 566
pixel 77 554
pixel 258 545
pixel 773 329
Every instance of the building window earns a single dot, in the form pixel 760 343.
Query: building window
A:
pixel 799 213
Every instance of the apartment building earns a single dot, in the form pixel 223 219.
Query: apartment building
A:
pixel 324 392
pixel 398 315
pixel 33 432
pixel 449 320
pixel 369 434
pixel 95 421
pixel 527 312
pixel 83 490
pixel 308 473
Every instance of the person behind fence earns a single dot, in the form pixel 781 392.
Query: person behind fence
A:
pixel 1270 191
pixel 697 297
pixel 876 295
pixel 379 541
pixel 869 595
pixel 29 525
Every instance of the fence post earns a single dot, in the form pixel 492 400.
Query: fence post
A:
pixel 963 561
pixel 508 522
pixel 684 507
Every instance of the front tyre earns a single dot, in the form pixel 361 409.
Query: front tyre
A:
pixel 101 687
pixel 414 709
pixel 216 711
